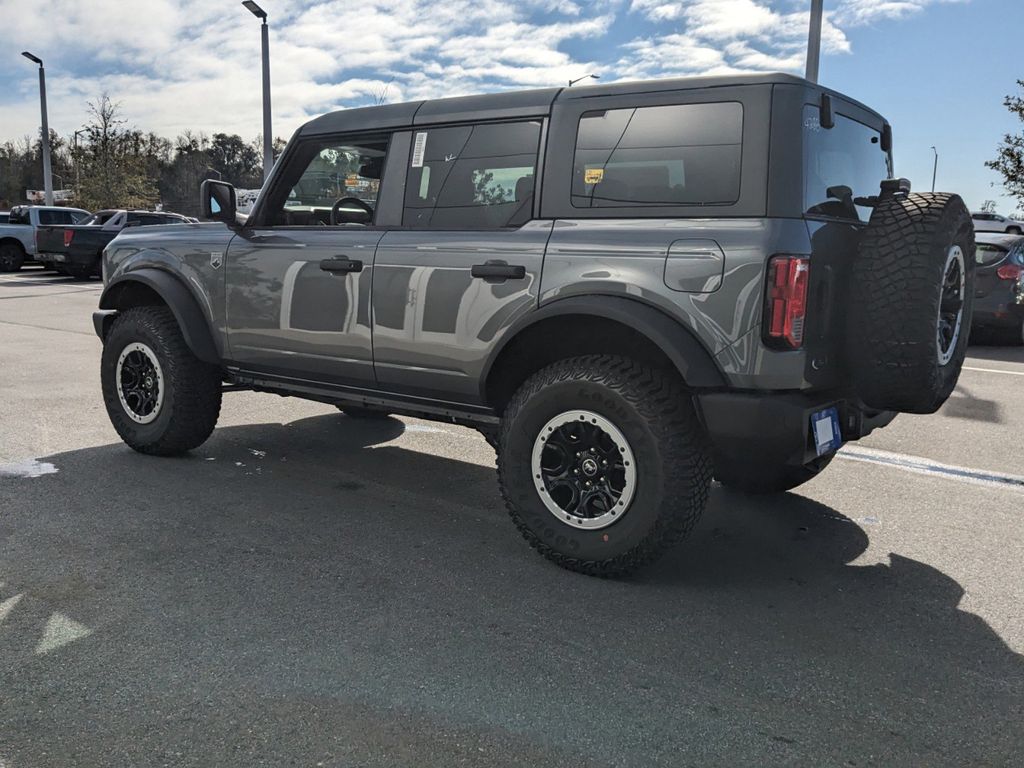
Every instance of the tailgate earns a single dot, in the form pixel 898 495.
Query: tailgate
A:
pixel 50 239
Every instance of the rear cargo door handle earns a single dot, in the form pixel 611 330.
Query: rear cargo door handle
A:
pixel 498 271
pixel 341 264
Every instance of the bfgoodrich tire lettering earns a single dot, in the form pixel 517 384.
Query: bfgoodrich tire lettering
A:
pixel 655 416
pixel 907 330
pixel 191 389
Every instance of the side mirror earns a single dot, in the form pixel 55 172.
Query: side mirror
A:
pixel 218 201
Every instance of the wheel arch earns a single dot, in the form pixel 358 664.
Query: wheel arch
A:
pixel 595 324
pixel 148 286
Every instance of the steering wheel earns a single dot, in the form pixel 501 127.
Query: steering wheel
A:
pixel 342 201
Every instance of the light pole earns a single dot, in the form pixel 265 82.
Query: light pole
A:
pixel 935 167
pixel 814 41
pixel 268 138
pixel 47 179
pixel 585 77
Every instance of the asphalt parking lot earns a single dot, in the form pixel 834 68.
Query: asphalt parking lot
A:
pixel 310 590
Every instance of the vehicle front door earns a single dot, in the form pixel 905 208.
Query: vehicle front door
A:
pixel 466 262
pixel 298 281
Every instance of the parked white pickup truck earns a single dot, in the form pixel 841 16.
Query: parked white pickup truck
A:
pixel 18 235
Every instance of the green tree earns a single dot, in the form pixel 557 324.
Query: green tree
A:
pixel 1009 160
pixel 238 162
pixel 115 166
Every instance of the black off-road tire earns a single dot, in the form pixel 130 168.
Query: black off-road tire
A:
pixel 672 455
pixel 192 393
pixel 11 257
pixel 357 412
pixel 760 479
pixel 895 296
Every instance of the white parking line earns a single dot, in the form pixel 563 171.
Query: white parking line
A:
pixel 923 466
pixel 993 370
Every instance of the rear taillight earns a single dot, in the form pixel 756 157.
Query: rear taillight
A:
pixel 68 235
pixel 786 301
pixel 1010 272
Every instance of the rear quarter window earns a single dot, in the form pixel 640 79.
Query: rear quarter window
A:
pixel 683 154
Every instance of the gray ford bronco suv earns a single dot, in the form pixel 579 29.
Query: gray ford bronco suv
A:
pixel 629 289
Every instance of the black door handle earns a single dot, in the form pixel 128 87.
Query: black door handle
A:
pixel 498 271
pixel 341 264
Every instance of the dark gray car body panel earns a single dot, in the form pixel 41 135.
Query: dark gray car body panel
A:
pixel 414 323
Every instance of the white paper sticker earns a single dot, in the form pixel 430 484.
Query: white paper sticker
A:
pixel 419 149
pixel 823 433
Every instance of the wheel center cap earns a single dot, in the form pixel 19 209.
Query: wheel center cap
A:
pixel 589 467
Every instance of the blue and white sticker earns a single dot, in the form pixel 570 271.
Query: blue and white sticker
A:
pixel 825 426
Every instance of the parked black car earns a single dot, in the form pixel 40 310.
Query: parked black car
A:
pixel 997 313
pixel 76 250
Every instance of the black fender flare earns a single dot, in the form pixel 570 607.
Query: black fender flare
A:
pixel 179 299
pixel 690 358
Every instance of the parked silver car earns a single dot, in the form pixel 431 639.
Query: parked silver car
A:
pixel 993 222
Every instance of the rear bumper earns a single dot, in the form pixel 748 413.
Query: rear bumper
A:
pixel 1002 316
pixel 745 426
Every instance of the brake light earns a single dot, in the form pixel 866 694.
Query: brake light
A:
pixel 68 235
pixel 1010 271
pixel 786 300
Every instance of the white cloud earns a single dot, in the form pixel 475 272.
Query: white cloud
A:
pixel 191 64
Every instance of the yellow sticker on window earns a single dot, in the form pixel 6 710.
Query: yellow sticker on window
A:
pixel 593 175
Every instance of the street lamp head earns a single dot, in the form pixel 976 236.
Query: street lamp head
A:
pixel 585 77
pixel 30 57
pixel 255 10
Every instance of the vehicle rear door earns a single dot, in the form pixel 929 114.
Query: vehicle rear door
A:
pixel 298 281
pixel 465 264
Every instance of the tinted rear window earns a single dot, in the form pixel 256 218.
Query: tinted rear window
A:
pixel 683 154
pixel 847 155
pixel 51 218
pixel 988 254
pixel 472 177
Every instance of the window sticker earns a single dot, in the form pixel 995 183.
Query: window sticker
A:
pixel 419 149
pixel 593 175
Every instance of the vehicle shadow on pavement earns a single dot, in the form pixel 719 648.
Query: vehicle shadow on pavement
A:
pixel 314 592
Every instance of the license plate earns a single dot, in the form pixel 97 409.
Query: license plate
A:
pixel 825 428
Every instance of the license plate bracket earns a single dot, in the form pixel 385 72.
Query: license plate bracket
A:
pixel 825 429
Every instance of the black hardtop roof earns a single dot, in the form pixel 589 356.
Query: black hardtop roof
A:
pixel 524 104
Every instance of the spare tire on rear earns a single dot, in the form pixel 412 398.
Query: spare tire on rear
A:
pixel 911 293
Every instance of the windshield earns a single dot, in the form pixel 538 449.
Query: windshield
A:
pixel 840 164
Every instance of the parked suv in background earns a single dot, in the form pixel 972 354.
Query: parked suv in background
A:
pixel 18 235
pixel 628 288
pixel 993 222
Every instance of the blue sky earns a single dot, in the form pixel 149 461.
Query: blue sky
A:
pixel 938 69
